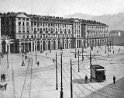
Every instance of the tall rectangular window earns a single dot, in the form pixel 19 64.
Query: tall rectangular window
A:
pixel 23 29
pixel 19 23
pixel 19 29
pixel 27 23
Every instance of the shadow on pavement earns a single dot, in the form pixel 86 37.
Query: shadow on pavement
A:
pixel 110 91
pixel 82 81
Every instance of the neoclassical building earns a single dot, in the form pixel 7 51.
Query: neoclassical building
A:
pixel 77 33
pixel 95 34
pixel 23 32
pixel 45 33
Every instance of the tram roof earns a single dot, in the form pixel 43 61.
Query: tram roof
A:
pixel 97 67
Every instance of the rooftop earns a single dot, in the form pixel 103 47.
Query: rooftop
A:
pixel 35 17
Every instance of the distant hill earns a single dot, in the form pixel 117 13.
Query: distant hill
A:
pixel 115 21
pixel 78 15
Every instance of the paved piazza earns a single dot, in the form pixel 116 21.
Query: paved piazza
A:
pixel 40 81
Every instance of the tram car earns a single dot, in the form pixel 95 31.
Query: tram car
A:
pixel 98 73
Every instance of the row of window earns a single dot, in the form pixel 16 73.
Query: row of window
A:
pixel 97 35
pixel 97 32
pixel 41 30
pixel 50 25
pixel 44 36
pixel 97 28
pixel 96 41
pixel 23 23
pixel 24 30
pixel 51 29
pixel 78 27
pixel 24 19
pixel 75 35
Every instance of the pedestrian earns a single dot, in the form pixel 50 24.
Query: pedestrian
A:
pixel 113 52
pixel 4 77
pixel 53 60
pixel 25 57
pixel 5 86
pixel 119 50
pixel 86 78
pixel 23 64
pixel 114 79
pixel 38 63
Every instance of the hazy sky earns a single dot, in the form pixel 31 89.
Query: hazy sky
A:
pixel 63 7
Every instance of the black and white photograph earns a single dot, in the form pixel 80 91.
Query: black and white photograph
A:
pixel 61 48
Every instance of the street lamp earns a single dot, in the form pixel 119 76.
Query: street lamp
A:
pixel 36 51
pixel 23 64
pixel 61 92
pixel 7 42
pixel 75 52
pixel 82 53
pixel 35 48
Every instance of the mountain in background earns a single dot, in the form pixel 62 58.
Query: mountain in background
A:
pixel 115 21
pixel 78 15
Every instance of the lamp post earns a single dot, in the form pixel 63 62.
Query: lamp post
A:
pixel 35 52
pixel 61 92
pixel 78 62
pixel 35 48
pixel 71 84
pixel 82 53
pixel 75 52
pixel 56 74
pixel 90 67
pixel 7 51
pixel 23 64
pixel 7 56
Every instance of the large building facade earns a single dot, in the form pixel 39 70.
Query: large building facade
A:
pixel 95 34
pixel 22 32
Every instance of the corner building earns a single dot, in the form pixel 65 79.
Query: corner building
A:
pixel 43 33
pixel 95 34
pixel 28 33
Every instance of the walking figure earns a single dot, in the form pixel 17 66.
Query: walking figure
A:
pixel 119 50
pixel 25 57
pixel 38 63
pixel 4 77
pixel 53 60
pixel 114 79
pixel 86 78
pixel 23 64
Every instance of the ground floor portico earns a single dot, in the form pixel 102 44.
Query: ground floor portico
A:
pixel 96 42
pixel 42 45
pixel 19 46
